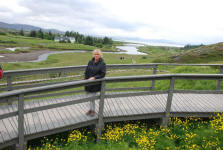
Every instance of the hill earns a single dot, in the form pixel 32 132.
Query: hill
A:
pixel 203 54
pixel 26 27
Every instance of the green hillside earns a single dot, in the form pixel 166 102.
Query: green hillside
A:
pixel 203 54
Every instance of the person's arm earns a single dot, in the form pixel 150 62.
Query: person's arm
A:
pixel 102 72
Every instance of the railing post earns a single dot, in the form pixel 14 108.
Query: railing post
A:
pixel 21 145
pixel 218 86
pixel 100 125
pixel 153 81
pixel 165 119
pixel 9 87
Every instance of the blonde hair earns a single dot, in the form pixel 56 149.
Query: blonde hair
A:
pixel 98 51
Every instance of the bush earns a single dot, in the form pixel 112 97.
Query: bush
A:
pixel 2 33
pixel 144 57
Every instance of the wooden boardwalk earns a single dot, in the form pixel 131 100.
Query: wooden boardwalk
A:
pixel 59 119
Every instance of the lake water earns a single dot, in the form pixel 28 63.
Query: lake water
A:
pixel 131 49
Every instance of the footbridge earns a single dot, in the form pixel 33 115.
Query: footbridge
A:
pixel 30 111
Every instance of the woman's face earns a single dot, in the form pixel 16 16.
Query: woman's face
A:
pixel 96 56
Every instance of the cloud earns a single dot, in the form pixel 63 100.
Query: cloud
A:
pixel 185 21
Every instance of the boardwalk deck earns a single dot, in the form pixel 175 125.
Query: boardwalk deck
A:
pixel 114 108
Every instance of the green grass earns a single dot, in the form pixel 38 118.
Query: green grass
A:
pixel 159 53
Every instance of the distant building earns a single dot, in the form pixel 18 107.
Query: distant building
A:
pixel 64 38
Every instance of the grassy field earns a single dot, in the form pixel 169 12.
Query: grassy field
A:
pixel 159 54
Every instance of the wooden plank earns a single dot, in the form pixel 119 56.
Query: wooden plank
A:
pixel 1 136
pixel 37 121
pixel 67 118
pixel 72 115
pixel 175 103
pixel 205 102
pixel 75 113
pixel 56 114
pixel 134 102
pixel 47 119
pixel 141 105
pixel 182 103
pixel 4 109
pixel 127 107
pixel 10 128
pixel 52 116
pixel 4 131
pixel 199 105
pixel 163 98
pixel 43 121
pixel 28 121
pixel 120 108
pixel 147 102
pixel 209 102
pixel 107 111
pixel 194 102
pixel 83 109
pixel 200 101
pixel 189 104
pixel 113 104
pixel 132 106
pixel 62 115
pixel 15 119
pixel 47 116
pixel 15 129
pixel 155 102
pixel 220 102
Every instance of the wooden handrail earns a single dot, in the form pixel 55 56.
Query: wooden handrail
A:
pixel 112 79
pixel 117 66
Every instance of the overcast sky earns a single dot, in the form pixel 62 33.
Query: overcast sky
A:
pixel 187 21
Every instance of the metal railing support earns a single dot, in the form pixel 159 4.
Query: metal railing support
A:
pixel 165 119
pixel 218 86
pixel 100 125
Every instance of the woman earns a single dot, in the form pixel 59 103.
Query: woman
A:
pixel 96 69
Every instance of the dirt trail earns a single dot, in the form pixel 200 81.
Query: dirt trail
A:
pixel 22 56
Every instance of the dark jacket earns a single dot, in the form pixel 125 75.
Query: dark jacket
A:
pixel 97 70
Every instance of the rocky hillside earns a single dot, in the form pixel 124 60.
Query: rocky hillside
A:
pixel 203 54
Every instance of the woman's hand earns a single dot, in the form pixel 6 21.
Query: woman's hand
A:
pixel 91 78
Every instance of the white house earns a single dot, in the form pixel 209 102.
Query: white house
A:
pixel 64 38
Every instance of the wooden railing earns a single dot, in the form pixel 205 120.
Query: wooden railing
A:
pixel 20 79
pixel 23 93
